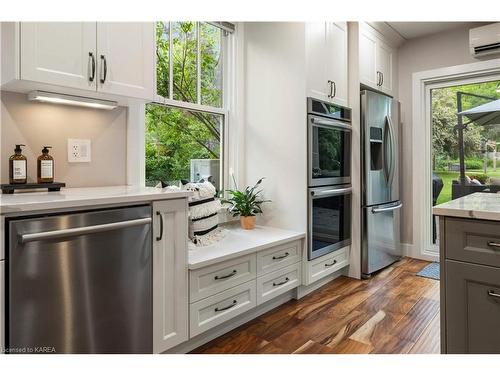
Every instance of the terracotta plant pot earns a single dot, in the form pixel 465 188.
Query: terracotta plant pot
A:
pixel 247 222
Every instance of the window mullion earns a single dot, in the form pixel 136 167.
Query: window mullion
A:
pixel 171 61
pixel 198 63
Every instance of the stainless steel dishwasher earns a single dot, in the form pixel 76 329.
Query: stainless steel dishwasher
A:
pixel 80 282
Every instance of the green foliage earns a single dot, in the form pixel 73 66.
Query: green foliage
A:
pixel 247 202
pixel 444 120
pixel 175 136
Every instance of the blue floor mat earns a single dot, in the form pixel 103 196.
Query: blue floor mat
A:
pixel 431 271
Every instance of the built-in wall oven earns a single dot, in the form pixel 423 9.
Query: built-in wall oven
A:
pixel 329 143
pixel 329 219
pixel 329 177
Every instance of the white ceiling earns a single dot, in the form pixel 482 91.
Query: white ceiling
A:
pixel 410 30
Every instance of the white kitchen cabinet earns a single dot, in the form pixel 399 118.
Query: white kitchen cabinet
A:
pixel 126 54
pixel 114 60
pixel 170 274
pixel 59 53
pixel 326 61
pixel 376 60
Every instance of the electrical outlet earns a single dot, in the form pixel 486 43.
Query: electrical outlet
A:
pixel 79 150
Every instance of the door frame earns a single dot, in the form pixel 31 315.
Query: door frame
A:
pixel 422 84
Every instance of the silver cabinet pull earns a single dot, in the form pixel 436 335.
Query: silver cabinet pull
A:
pixel 493 244
pixel 330 95
pixel 219 309
pixel 92 61
pixel 226 276
pixel 281 256
pixel 492 293
pixel 282 282
pixel 331 264
pixel 382 79
pixel 334 89
pixel 73 232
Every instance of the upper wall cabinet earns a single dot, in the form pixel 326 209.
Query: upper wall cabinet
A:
pixel 114 59
pixel 376 61
pixel 326 61
pixel 126 54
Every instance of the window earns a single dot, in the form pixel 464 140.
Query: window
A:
pixel 185 125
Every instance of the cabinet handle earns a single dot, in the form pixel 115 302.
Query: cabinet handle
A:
pixel 218 309
pixel 330 264
pixel 492 293
pixel 493 244
pixel 378 78
pixel 334 89
pixel 282 283
pixel 159 238
pixel 382 78
pixel 331 89
pixel 226 276
pixel 281 256
pixel 105 66
pixel 92 58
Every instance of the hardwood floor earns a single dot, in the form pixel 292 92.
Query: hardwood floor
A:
pixel 393 312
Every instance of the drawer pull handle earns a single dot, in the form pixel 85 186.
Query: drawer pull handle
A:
pixel 219 309
pixel 226 276
pixel 492 293
pixel 282 283
pixel 330 264
pixel 493 244
pixel 281 256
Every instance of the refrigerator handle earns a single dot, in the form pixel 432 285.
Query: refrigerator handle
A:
pixel 393 151
pixel 385 209
pixel 385 158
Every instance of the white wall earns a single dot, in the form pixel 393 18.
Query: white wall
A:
pixel 275 120
pixel 444 49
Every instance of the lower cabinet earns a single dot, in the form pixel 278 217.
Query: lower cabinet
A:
pixel 170 274
pixel 216 309
pixel 224 290
pixel 318 268
pixel 2 307
pixel 472 308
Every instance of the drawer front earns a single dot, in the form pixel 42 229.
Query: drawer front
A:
pixel 278 282
pixel 278 256
pixel 474 241
pixel 214 279
pixel 326 265
pixel 214 310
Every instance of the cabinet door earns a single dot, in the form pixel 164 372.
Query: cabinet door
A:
pixel 59 53
pixel 126 58
pixel 336 62
pixel 472 297
pixel 316 60
pixel 368 58
pixel 170 274
pixel 384 66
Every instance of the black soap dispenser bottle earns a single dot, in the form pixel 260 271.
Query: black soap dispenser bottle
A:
pixel 18 167
pixel 45 167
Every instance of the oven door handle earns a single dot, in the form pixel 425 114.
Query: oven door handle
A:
pixel 330 192
pixel 332 124
pixel 385 209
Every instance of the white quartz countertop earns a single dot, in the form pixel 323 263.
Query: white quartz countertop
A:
pixel 83 197
pixel 238 242
pixel 484 206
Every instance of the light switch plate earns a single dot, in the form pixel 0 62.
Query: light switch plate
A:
pixel 79 151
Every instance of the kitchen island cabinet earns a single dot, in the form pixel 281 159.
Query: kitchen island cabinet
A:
pixel 470 274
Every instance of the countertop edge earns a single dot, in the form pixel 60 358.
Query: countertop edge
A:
pixel 237 254
pixel 466 214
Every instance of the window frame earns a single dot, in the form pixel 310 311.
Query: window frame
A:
pixel 228 64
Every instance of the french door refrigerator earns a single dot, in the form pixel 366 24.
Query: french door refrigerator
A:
pixel 380 218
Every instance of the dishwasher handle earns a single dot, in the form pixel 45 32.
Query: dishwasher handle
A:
pixel 72 232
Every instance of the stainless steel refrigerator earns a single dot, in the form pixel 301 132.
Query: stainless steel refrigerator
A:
pixel 381 205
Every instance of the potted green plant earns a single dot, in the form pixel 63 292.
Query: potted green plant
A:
pixel 246 204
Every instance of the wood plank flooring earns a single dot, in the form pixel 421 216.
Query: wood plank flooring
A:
pixel 393 312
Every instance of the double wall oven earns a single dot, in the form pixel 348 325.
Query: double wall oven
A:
pixel 329 177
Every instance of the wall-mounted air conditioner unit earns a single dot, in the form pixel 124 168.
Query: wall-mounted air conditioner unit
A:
pixel 485 40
